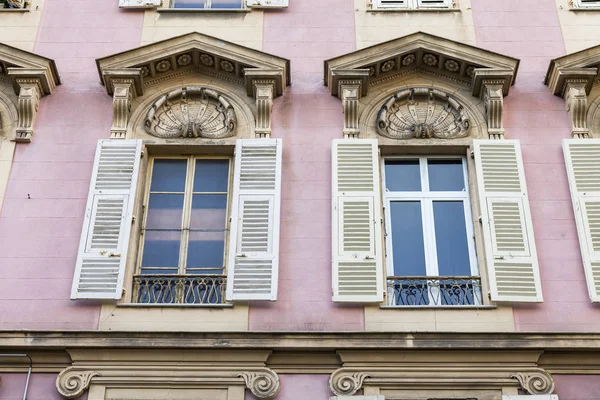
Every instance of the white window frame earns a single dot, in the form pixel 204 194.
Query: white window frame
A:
pixel 208 6
pixel 413 5
pixel 187 208
pixel 426 198
pixel 590 4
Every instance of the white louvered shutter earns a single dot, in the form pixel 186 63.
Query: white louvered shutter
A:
pixel 434 3
pixel 139 3
pixel 392 3
pixel 356 230
pixel 582 158
pixel 107 224
pixel 506 218
pixel 253 261
pixel 267 3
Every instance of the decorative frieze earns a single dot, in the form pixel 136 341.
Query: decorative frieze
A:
pixel 264 91
pixel 422 113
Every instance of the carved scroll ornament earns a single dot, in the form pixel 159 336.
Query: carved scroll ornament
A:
pixel 263 384
pixel 535 382
pixel 72 383
pixel 422 113
pixel 191 111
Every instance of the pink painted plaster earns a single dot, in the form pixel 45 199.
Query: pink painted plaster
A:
pixel 577 387
pixel 294 386
pixel 41 219
pixel 41 387
pixel 307 117
pixel 530 30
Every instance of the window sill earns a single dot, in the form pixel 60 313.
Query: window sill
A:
pixel 585 9
pixel 15 10
pixel 141 305
pixel 409 10
pixel 482 307
pixel 202 10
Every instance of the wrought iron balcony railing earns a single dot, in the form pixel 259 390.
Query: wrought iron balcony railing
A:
pixel 434 291
pixel 179 289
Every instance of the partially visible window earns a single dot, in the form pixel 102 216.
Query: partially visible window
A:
pixel 14 4
pixel 184 232
pixel 429 233
pixel 414 4
pixel 213 4
pixel 586 3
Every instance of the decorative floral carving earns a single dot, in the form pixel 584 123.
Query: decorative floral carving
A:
pixel 227 66
pixel 430 59
pixel 388 66
pixel 408 59
pixel 371 71
pixel 470 70
pixel 422 113
pixel 263 384
pixel 534 383
pixel 184 59
pixel 71 383
pixel 191 111
pixel 207 60
pixel 343 383
pixel 163 65
pixel 452 65
pixel 145 71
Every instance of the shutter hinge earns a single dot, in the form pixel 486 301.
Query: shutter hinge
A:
pixel 133 219
pixel 472 154
pixel 142 154
pixel 480 220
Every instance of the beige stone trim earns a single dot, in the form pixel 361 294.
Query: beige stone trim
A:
pixel 29 100
pixel 264 91
pixel 491 86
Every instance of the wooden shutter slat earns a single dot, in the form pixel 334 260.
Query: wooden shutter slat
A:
pixel 104 243
pixel 254 238
pixel 511 256
pixel 356 236
pixel 582 160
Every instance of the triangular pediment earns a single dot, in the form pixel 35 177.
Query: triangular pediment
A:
pixel 17 64
pixel 583 66
pixel 194 52
pixel 420 52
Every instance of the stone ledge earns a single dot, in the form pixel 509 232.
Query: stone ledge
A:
pixel 411 10
pixel 202 10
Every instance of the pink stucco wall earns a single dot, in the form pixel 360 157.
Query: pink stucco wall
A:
pixel 577 387
pixel 307 118
pixel 296 386
pixel 39 234
pixel 41 387
pixel 530 30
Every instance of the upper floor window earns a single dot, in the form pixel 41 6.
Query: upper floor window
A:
pixel 429 232
pixel 586 3
pixel 14 4
pixel 184 232
pixel 213 4
pixel 414 4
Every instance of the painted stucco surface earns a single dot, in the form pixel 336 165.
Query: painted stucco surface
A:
pixel 41 387
pixel 577 387
pixel 580 29
pixel 531 31
pixel 20 29
pixel 294 386
pixel 42 215
pixel 307 118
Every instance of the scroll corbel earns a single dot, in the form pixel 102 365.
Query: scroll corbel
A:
pixel 123 92
pixel 577 105
pixel 491 85
pixel 71 383
pixel 264 91
pixel 349 92
pixel 30 92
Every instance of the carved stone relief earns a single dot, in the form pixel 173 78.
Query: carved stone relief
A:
pixel 422 113
pixel 191 111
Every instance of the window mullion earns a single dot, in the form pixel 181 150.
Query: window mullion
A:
pixel 430 245
pixel 187 212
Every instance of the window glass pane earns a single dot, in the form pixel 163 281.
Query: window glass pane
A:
pixel 164 211
pixel 161 252
pixel 451 238
pixel 402 175
pixel 208 211
pixel 168 175
pixel 189 3
pixel 446 175
pixel 226 4
pixel 407 238
pixel 211 176
pixel 205 252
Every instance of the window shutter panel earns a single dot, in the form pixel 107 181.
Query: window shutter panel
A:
pixel 253 260
pixel 139 3
pixel 582 158
pixel 506 218
pixel 356 231
pixel 107 223
pixel 434 3
pixel 267 3
pixel 393 3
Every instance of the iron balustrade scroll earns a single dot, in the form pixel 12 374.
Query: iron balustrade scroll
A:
pixel 434 291
pixel 179 289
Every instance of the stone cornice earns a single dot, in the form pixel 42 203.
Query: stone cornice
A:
pixel 579 65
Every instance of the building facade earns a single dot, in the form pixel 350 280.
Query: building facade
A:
pixel 286 199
